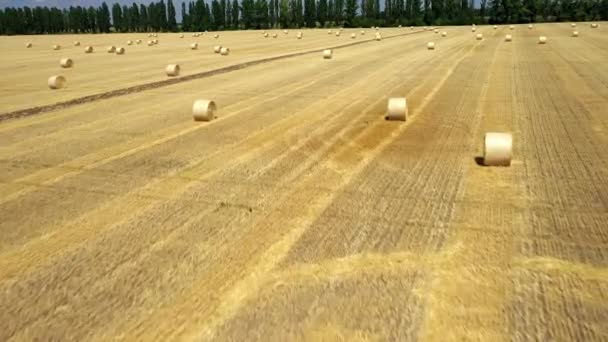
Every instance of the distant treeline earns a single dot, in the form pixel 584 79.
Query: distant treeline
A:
pixel 255 14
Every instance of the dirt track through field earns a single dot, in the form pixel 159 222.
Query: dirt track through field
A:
pixel 301 214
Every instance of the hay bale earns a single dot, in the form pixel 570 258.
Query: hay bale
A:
pixel 338 34
pixel 479 36
pixel 88 49
pixel 155 35
pixel 595 25
pixel 265 34
pixel 28 45
pixel 530 27
pixel 193 46
pixel 362 33
pixel 172 69
pixel 285 32
pixel 573 25
pixel 216 36
pixel 397 109
pixel 120 51
pixel 378 36
pixel 574 33
pixel 138 41
pixel 353 36
pixel 66 62
pixel 217 49
pixel 56 82
pixel 56 47
pixel 508 38
pixel 473 29
pixel 430 46
pixel 76 43
pixel 436 31
pixel 155 41
pixel 224 51
pixel 444 34
pixel 111 49
pixel 181 36
pixel 195 35
pixel 511 27
pixel 274 35
pixel 327 54
pixel 497 149
pixel 203 110
pixel 495 27
pixel 299 35
pixel 329 32
pixel 149 35
pixel 542 40
pixel 150 43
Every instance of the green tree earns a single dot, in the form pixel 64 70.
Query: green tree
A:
pixel 322 12
pixel 235 14
pixel 310 13
pixel 350 11
pixel 171 21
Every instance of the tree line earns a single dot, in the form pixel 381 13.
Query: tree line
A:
pixel 200 15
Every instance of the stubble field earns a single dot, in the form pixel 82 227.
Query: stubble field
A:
pixel 299 213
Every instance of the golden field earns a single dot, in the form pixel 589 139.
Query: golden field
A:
pixel 299 213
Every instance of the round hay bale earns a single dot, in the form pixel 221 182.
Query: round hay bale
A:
pixel 138 41
pixel 193 46
pixel 76 43
pixel 444 34
pixel 150 43
pixel 508 38
pixel 274 35
pixel 362 33
pixel 111 49
pixel 265 34
pixel 573 25
pixel 155 41
pixel 424 28
pixel 378 36
pixel 495 27
pixel 595 25
pixel 155 35
pixel 338 34
pixel 56 47
pixel 129 42
pixel 181 36
pixel 327 54
pixel 216 36
pixel 542 40
pixel 217 49
pixel 497 149
pixel 285 32
pixel 56 82
pixel 479 36
pixel 353 36
pixel 436 31
pixel 399 26
pixel 224 51
pixel 203 110
pixel 88 49
pixel 430 46
pixel 530 27
pixel 473 29
pixel 574 33
pixel 66 62
pixel 329 32
pixel 172 69
pixel 299 35
pixel 28 45
pixel 120 51
pixel 397 109
pixel 149 35
pixel 411 27
pixel 511 27
pixel 195 35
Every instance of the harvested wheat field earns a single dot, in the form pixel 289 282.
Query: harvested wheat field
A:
pixel 297 212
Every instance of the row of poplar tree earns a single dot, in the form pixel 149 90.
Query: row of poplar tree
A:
pixel 200 15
